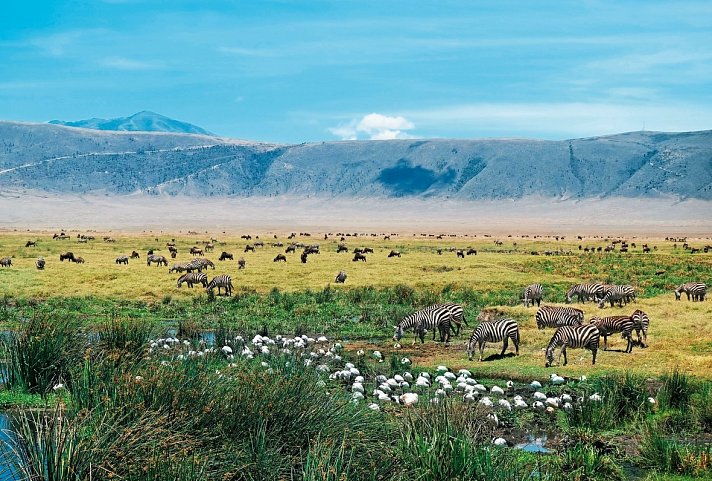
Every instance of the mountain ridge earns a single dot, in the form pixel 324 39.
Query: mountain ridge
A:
pixel 56 159
pixel 144 121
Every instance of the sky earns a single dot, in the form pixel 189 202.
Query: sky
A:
pixel 302 71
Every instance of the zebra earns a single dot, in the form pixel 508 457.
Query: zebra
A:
pixel 157 259
pixel 340 277
pixel 533 293
pixel 614 294
pixel 610 325
pixel 122 260
pixel 641 321
pixel 501 330
pixel 554 316
pixel 584 292
pixel 193 278
pixel 581 337
pixel 457 316
pixel 696 290
pixel 181 267
pixel 6 262
pixel 223 281
pixel 203 263
pixel 424 320
pixel 40 263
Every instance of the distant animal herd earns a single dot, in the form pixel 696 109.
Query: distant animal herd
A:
pixel 444 319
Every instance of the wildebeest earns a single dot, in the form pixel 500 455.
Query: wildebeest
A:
pixel 122 260
pixel 359 257
pixel 172 249
pixel 5 262
pixel 31 244
pixel 249 247
pixel 134 255
pixel 341 248
pixel 312 249
pixel 225 256
pixel 66 255
pixel 196 252
pixel 291 248
pixel 40 263
pixel 280 257
pixel 340 277
pixel 460 253
pixel 471 252
pixel 78 260
pixel 241 263
pixel 304 257
pixel 394 254
pixel 174 254
pixel 367 250
pixel 209 247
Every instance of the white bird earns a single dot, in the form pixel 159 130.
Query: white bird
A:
pixel 539 406
pixel 535 385
pixel 264 350
pixel 360 353
pixel 505 404
pixel 227 349
pixel 497 390
pixel 595 397
pixel 469 397
pixel 492 418
pixel 510 384
pixel 442 369
pixel 566 398
pixel 398 378
pixel 357 387
pixel 480 387
pixel 464 372
pixel 348 365
pixel 520 404
pixel 384 397
pixel 358 379
pixel 425 375
pixel 557 380
pixel 485 401
pixel 552 401
pixel 568 406
pixel 422 382
pixel 405 385
pixel 651 400
pixel 408 376
pixel 405 361
pixel 583 378
pixel 377 355
pixel 539 396
pixel 322 339
pixel 440 393
pixel 450 376
pixel 381 378
pixel 374 407
pixel 393 383
pixel 409 399
pixel 357 396
pixel 501 442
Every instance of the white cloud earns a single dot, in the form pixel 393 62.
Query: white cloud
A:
pixel 122 63
pixel 375 126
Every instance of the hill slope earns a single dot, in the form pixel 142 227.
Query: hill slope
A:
pixel 140 122
pixel 56 159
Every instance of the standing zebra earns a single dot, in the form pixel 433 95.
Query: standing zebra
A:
pixel 157 259
pixel 696 290
pixel 223 281
pixel 555 316
pixel 585 292
pixel 501 330
pixel 532 294
pixel 457 316
pixel 191 278
pixel 610 325
pixel 424 320
pixel 641 321
pixel 614 294
pixel 581 337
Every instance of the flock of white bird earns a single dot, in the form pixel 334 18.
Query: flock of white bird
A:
pixel 405 389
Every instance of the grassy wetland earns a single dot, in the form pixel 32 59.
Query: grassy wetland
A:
pixel 116 358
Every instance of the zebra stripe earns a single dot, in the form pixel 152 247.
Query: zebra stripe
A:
pixel 580 337
pixel 641 321
pixel 457 314
pixel 614 294
pixel 501 330
pixel 613 324
pixel 193 278
pixel 430 318
pixel 555 316
pixel 695 290
pixel 223 281
pixel 533 293
pixel 585 292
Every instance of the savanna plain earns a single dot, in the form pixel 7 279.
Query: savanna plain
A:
pixel 112 371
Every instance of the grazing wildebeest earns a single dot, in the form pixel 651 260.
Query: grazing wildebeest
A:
pixel 471 251
pixel 225 256
pixel 340 277
pixel 359 257
pixel 304 257
pixel 241 263
pixel 122 260
pixel 78 260
pixel 196 252
pixel 134 255
pixel 249 247
pixel 67 255
pixel 367 250
pixel 460 253
pixel 31 244
pixel 394 254
pixel 174 254
pixel 291 248
pixel 312 249
pixel 280 257
pixel 40 263
pixel 172 249
pixel 5 262
pixel 209 247
pixel 341 248
pixel 246 237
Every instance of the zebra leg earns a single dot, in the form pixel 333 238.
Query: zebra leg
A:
pixel 563 351
pixel 593 351
pixel 645 338
pixel 605 342
pixel 515 340
pixel 482 348
pixel 505 344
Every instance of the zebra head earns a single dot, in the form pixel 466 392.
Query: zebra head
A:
pixel 549 356
pixel 678 293
pixel 398 332
pixel 594 320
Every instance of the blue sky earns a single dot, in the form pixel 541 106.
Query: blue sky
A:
pixel 291 71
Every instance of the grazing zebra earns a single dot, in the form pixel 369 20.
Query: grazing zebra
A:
pixel 157 259
pixel 5 262
pixel 241 263
pixel 580 337
pixel 186 266
pixel 457 316
pixel 614 294
pixel 122 260
pixel 585 292
pixel 66 255
pixel 610 325
pixel 280 257
pixel 394 254
pixel 40 263
pixel 501 330
pixel 340 277
pixel 641 321
pixel 203 263
pixel 359 257
pixel 427 319
pixel 696 290
pixel 532 294
pixel 193 278
pixel 554 316
pixel 223 281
